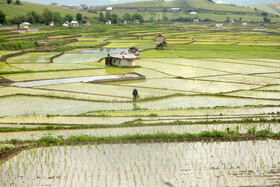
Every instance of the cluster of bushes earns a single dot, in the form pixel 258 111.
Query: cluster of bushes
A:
pixel 18 45
pixel 17 2
pixel 45 18
pixel 114 18
pixel 189 19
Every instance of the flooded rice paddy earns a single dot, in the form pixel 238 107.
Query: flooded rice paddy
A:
pixel 31 105
pixel 32 58
pixel 195 86
pixel 250 163
pixel 79 58
pixel 73 80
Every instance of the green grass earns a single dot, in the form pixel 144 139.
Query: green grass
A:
pixel 17 10
pixel 162 136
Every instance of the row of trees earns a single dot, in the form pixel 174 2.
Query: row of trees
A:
pixel 114 18
pixel 17 2
pixel 45 18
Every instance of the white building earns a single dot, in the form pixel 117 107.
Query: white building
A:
pixel 24 25
pixel 74 23
pixel 65 24
pixel 175 9
pixel 125 58
pixel 196 21
pixel 159 38
pixel 193 13
pixel 51 24
pixel 109 8
pixel 244 24
pixel 219 25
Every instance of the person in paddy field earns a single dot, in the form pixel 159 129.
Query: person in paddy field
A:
pixel 135 94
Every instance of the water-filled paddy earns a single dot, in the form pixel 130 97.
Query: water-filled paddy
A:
pixel 39 57
pixel 53 66
pixel 190 85
pixel 9 91
pixel 128 45
pixel 72 80
pixel 112 90
pixel 251 163
pixel 6 52
pixel 66 120
pixel 8 68
pixel 26 105
pixel 248 111
pixel 218 65
pixel 256 94
pixel 101 50
pixel 270 88
pixel 79 58
pixel 62 74
pixel 175 70
pixel 246 79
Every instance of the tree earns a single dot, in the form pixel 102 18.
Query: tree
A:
pixel 34 17
pixel 57 18
pixel 264 13
pixel 2 17
pixel 240 19
pixel 18 20
pixel 47 16
pixel 79 17
pixel 101 17
pixel 165 18
pixel 18 2
pixel 127 17
pixel 137 17
pixel 227 19
pixel 68 18
pixel 114 18
pixel 9 1
pixel 108 15
pixel 267 20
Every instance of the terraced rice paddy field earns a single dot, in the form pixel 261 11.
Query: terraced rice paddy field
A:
pixel 208 110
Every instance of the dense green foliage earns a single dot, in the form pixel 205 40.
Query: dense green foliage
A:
pixel 2 17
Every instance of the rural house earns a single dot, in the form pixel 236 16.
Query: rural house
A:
pixel 51 24
pixel 123 21
pixel 24 25
pixel 65 24
pixel 74 23
pixel 193 13
pixel 125 58
pixel 175 9
pixel 109 8
pixel 244 24
pixel 71 6
pixel 219 25
pixel 159 38
pixel 86 22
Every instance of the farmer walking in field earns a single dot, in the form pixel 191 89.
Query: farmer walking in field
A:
pixel 135 94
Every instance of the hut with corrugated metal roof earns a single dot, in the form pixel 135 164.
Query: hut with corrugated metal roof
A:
pixel 125 58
